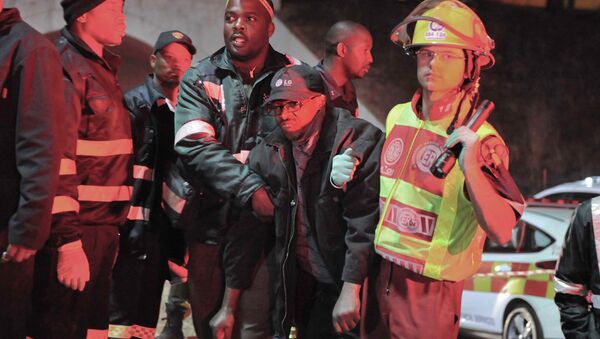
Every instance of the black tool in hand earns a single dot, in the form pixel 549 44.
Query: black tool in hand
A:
pixel 445 162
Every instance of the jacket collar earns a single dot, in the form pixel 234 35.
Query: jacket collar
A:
pixel 9 17
pixel 154 92
pixel 274 61
pixel 110 61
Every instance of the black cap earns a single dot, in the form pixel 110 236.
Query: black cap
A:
pixel 296 83
pixel 179 37
pixel 73 9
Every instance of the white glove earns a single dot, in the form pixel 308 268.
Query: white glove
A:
pixel 342 168
pixel 73 268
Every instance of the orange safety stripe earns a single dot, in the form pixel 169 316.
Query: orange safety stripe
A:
pixel 142 172
pixel 138 213
pixel 63 204
pixel 129 331
pixel 194 127
pixel 67 167
pixel 175 202
pixel 104 148
pixel 104 193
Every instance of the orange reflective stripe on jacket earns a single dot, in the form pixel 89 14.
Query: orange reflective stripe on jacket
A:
pixel 104 148
pixel 63 204
pixel 67 167
pixel 104 193
pixel 142 172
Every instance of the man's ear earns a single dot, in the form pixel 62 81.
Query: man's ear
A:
pixel 82 18
pixel 271 29
pixel 152 60
pixel 341 49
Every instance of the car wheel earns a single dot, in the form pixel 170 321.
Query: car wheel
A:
pixel 521 323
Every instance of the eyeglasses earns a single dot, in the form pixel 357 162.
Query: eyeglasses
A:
pixel 426 55
pixel 276 108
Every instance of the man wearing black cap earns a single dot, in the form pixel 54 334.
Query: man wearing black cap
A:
pixel 324 231
pixel 72 274
pixel 148 239
pixel 30 73
pixel 218 120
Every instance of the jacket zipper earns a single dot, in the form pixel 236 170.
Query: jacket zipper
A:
pixel 289 244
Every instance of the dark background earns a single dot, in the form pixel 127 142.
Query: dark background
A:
pixel 545 83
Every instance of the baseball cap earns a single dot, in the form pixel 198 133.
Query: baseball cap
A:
pixel 296 83
pixel 179 37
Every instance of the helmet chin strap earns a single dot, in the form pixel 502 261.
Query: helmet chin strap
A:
pixel 469 88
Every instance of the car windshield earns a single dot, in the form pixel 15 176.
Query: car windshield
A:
pixel 526 238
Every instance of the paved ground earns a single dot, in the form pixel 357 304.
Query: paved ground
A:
pixel 188 327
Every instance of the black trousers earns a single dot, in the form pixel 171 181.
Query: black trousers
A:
pixel 16 281
pixel 62 313
pixel 314 307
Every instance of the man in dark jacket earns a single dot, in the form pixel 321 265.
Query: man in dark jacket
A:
pixel 347 56
pixel 218 120
pixel 72 274
pixel 577 278
pixel 148 239
pixel 31 111
pixel 324 230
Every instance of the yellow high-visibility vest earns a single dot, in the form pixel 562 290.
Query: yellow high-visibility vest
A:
pixel 427 225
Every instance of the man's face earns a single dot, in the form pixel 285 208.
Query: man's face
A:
pixel 440 68
pixel 247 28
pixel 170 63
pixel 105 23
pixel 358 59
pixel 295 117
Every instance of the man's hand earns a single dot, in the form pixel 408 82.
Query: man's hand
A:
pixel 17 253
pixel 222 323
pixel 342 168
pixel 469 156
pixel 73 268
pixel 346 312
pixel 262 205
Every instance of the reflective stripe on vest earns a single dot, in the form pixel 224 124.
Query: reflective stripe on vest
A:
pixel 104 193
pixel 64 204
pixel 67 167
pixel 595 204
pixel 104 148
pixel 138 213
pixel 175 202
pixel 142 172
pixel 427 224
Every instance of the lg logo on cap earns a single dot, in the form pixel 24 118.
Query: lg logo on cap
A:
pixel 285 83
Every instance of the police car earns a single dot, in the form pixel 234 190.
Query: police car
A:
pixel 512 293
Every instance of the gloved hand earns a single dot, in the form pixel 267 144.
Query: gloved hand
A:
pixel 342 168
pixel 73 268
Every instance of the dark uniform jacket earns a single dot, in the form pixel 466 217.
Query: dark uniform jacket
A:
pixel 31 108
pixel 216 126
pixel 154 159
pixel 577 278
pixel 94 188
pixel 342 97
pixel 342 221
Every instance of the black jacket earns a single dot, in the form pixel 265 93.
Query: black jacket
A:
pixel 31 108
pixel 97 131
pixel 152 133
pixel 342 221
pixel 216 126
pixel 577 278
